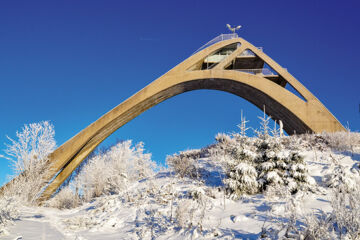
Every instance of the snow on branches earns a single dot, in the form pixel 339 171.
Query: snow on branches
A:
pixel 256 163
pixel 28 157
pixel 105 173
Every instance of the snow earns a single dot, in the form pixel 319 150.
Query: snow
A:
pixel 169 207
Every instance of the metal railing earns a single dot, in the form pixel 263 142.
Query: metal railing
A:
pixel 263 71
pixel 219 38
pixel 248 52
pixel 224 37
pixel 215 58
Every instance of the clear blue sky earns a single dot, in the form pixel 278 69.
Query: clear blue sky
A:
pixel 72 61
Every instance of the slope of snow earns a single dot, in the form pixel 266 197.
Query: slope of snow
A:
pixel 161 207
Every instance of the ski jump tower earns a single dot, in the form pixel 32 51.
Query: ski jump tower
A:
pixel 226 63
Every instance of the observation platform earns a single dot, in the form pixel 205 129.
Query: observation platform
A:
pixel 247 61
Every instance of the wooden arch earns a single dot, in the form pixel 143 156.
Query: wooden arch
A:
pixel 299 115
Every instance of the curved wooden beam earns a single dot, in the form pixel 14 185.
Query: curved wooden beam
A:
pixel 297 115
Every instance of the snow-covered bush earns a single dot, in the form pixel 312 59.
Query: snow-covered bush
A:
pixel 190 214
pixel 64 199
pixel 150 223
pixel 8 212
pixel 341 176
pixel 346 212
pixel 185 163
pixel 277 191
pixel 318 226
pixel 343 141
pixel 107 172
pixel 28 157
pixel 343 222
pixel 309 142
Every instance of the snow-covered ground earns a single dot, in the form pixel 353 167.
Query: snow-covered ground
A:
pixel 167 206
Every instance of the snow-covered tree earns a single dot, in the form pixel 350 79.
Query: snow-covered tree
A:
pixel 33 144
pixel 242 179
pixel 254 164
pixel 28 157
pixel 265 130
pixel 242 125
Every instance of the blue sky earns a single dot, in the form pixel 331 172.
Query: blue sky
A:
pixel 72 61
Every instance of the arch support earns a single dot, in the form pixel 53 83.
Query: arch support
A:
pixel 223 66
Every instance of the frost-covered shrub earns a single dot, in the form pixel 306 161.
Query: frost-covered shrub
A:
pixel 110 171
pixel 339 141
pixel 184 213
pixel 64 199
pixel 223 138
pixel 150 223
pixel 8 213
pixel 346 212
pixel 28 157
pixel 294 143
pixel 107 172
pixel 185 163
pixel 318 226
pixel 190 214
pixel 341 176
pixel 342 223
pixel 311 142
pixel 343 141
pixel 197 193
pixel 237 146
pixel 277 191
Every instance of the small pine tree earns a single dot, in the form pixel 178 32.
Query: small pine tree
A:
pixel 264 131
pixel 255 164
pixel 242 125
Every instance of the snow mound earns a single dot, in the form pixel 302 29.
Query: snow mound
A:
pixel 238 188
